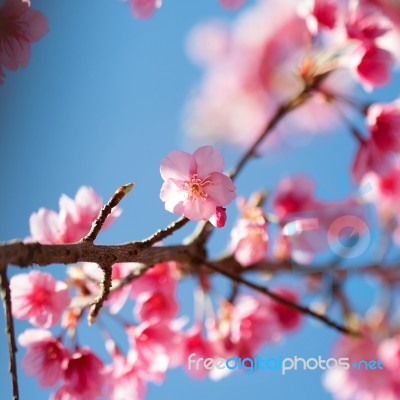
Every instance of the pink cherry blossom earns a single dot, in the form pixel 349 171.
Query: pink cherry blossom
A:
pixel 293 195
pixel 249 237
pixel 157 345
pixel 389 353
pixel 208 42
pixel 251 72
pixel 366 23
pixel 319 14
pixel 369 158
pixel 44 356
pixel 20 26
pixel 383 123
pixel 254 321
pixel 124 379
pixel 195 342
pixel 232 4
pixel 73 221
pixel 373 65
pixel 159 277
pixel 160 305
pixel 144 8
pixel 359 384
pixel 38 297
pixel 83 374
pixel 288 317
pixel 194 183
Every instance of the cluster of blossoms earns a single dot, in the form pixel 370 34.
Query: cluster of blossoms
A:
pixel 360 384
pixel 269 53
pixel 157 341
pixel 72 222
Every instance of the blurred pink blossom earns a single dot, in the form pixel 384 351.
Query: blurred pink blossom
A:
pixel 373 65
pixel 365 22
pixel 83 375
pixel 194 184
pixel 359 384
pixel 20 26
pixel 160 305
pixel 144 9
pixel 383 123
pixel 232 4
pixel 44 357
pixel 73 221
pixel 124 379
pixel 38 297
pixel 249 236
pixel 195 342
pixel 319 14
pixel 369 158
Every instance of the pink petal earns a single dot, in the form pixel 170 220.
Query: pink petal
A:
pixel 208 160
pixel 173 196
pixel 178 165
pixel 199 209
pixel 221 189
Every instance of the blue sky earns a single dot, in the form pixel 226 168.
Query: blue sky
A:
pixel 100 104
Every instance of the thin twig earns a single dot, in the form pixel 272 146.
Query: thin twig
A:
pixel 12 348
pixel 162 234
pixel 137 273
pixel 280 299
pixel 284 109
pixel 98 223
pixel 105 288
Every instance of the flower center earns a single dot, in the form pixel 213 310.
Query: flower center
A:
pixel 195 188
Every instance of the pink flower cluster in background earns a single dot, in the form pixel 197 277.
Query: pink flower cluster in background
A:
pixel 157 341
pixel 72 222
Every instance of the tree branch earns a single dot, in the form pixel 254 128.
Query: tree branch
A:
pixel 12 348
pixel 161 234
pixel 278 298
pixel 105 287
pixel 97 224
pixel 25 254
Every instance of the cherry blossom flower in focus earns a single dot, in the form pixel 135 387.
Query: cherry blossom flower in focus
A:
pixel 73 221
pixel 249 237
pixel 44 357
pixel 194 184
pixel 144 9
pixel 39 298
pixel 20 26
